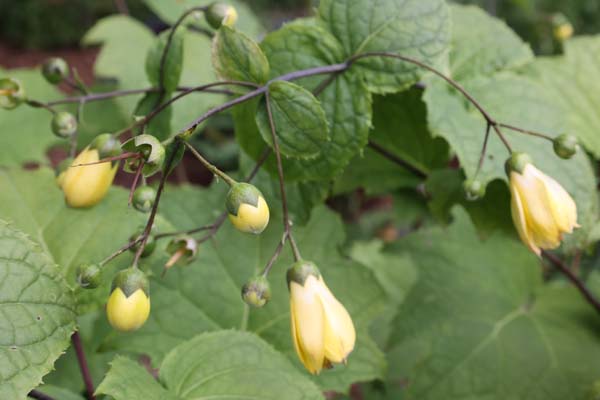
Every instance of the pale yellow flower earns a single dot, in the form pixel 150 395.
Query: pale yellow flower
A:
pixel 322 330
pixel 542 210
pixel 127 313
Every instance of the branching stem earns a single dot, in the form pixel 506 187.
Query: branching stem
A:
pixel 212 168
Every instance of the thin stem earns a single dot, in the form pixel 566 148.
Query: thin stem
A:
pixel 83 365
pixel 275 255
pixel 394 158
pixel 119 252
pixel 39 104
pixel 483 149
pixel 121 6
pixel 138 173
pixel 502 138
pixel 525 131
pixel 36 394
pixel 564 269
pixel 186 232
pixel 212 168
pixel 120 157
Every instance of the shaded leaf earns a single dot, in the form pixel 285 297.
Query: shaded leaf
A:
pixel 173 63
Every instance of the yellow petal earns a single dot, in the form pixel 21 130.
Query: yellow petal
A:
pixel 251 219
pixel 562 205
pixel 307 324
pixel 127 313
pixel 340 334
pixel 518 216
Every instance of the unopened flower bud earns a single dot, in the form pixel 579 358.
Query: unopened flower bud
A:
pixel 89 276
pixel 55 70
pixel 474 189
pixel 247 208
pixel 64 124
pixel 143 198
pixel 12 93
pixel 257 291
pixel 107 145
pixel 565 146
pixel 221 14
pixel 562 28
pixel 128 306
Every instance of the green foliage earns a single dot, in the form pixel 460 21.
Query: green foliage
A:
pixel 38 313
pixel 173 60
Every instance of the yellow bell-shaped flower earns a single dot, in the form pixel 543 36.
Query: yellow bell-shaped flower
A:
pixel 541 208
pixel 85 186
pixel 247 208
pixel 128 306
pixel 322 330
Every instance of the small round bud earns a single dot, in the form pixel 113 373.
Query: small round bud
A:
pixel 107 145
pixel 128 305
pixel 565 146
pixel 89 276
pixel 247 208
pixel 474 189
pixel 152 151
pixel 55 70
pixel 221 14
pixel 143 198
pixel 517 162
pixel 562 28
pixel 12 93
pixel 150 244
pixel 256 292
pixel 183 250
pixel 64 124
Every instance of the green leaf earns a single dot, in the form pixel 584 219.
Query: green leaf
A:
pixel 38 313
pixel 26 134
pixel 298 118
pixel 33 202
pixel 418 29
pixel 205 296
pixel 237 57
pixel 160 125
pixel 59 393
pixel 568 80
pixel 479 323
pixel 173 63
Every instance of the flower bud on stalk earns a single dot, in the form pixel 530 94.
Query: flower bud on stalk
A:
pixel 322 330
pixel 565 146
pixel 219 14
pixel 247 208
pixel 12 93
pixel 256 292
pixel 474 189
pixel 542 210
pixel 152 151
pixel 55 70
pixel 143 198
pixel 128 305
pixel 89 276
pixel 86 185
pixel 64 124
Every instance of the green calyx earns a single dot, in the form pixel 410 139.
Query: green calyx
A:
pixel 565 146
pixel 152 151
pixel 241 193
pixel 474 189
pixel 107 145
pixel 300 271
pixel 216 14
pixel 517 162
pixel 256 292
pixel 64 124
pixel 130 280
pixel 89 276
pixel 12 93
pixel 55 70
pixel 143 198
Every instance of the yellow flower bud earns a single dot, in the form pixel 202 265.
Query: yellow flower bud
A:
pixel 85 186
pixel 128 306
pixel 248 210
pixel 542 210
pixel 322 330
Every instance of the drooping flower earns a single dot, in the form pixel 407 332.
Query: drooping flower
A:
pixel 128 305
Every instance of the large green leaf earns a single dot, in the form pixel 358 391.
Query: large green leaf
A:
pixel 298 118
pixel 38 313
pixel 569 79
pixel 205 296
pixel 219 365
pixel 418 29
pixel 479 323
pixel 173 61
pixel 25 133
pixel 160 125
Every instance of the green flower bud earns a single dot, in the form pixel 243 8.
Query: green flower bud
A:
pixel 150 243
pixel 55 70
pixel 219 14
pixel 183 250
pixel 143 198
pixel 64 124
pixel 474 189
pixel 12 93
pixel 256 292
pixel 247 208
pixel 107 145
pixel 565 146
pixel 152 150
pixel 517 162
pixel 89 276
